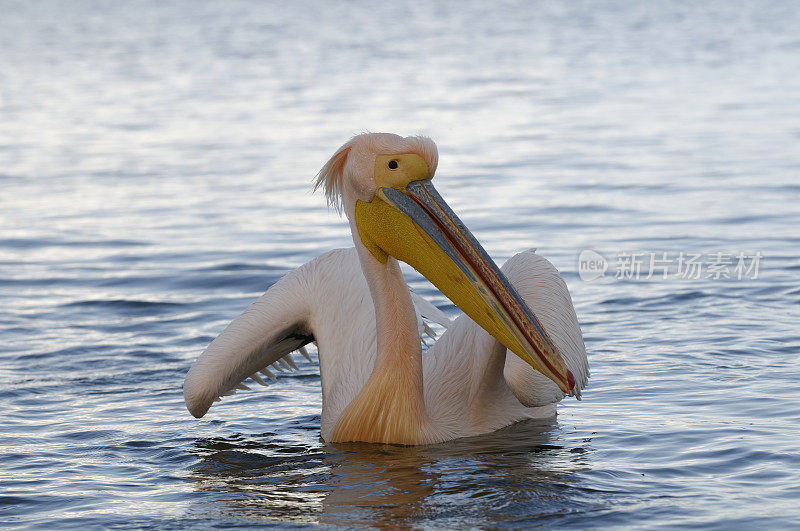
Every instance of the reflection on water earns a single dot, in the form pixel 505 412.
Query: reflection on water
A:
pixel 262 476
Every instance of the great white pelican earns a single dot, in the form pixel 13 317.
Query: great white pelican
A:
pixel 516 352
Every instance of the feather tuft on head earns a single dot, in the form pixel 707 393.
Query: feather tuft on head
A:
pixel 331 175
pixel 358 155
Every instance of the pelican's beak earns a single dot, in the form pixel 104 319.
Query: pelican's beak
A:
pixel 412 223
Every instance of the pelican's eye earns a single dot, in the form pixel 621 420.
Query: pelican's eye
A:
pixel 392 164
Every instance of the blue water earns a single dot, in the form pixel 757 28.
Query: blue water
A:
pixel 155 170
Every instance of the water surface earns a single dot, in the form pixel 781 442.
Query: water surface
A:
pixel 155 170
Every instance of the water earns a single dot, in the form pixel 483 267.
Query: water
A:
pixel 155 168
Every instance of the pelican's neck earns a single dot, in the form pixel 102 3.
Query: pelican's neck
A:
pixel 395 319
pixel 391 407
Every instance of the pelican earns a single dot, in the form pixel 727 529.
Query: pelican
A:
pixel 515 352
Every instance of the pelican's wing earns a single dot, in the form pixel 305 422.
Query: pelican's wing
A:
pixel 546 293
pixel 261 337
pixel 326 301
pixel 428 312
pixel 281 350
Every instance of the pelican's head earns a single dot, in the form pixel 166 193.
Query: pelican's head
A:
pixel 383 181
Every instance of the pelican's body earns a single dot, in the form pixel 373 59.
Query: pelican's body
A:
pixel 377 384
